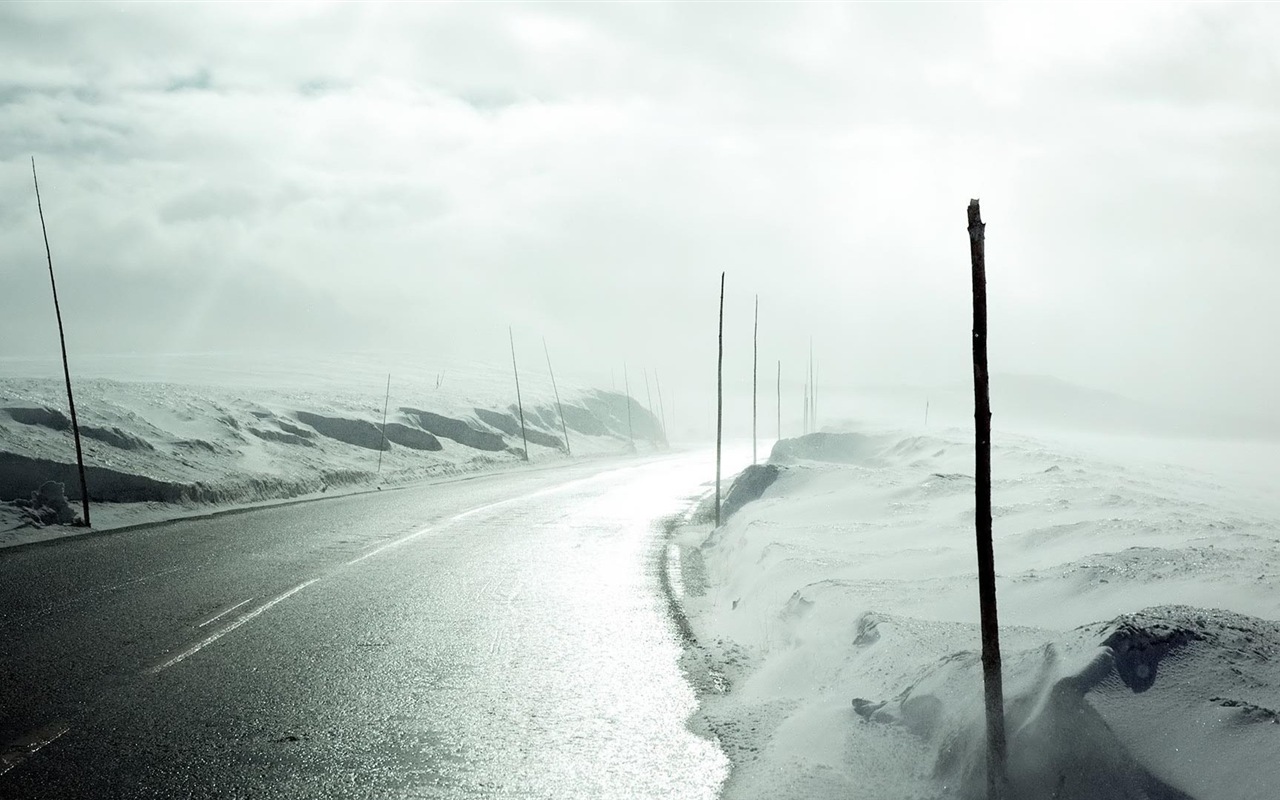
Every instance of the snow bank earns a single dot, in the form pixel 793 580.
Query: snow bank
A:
pixel 1137 603
pixel 235 438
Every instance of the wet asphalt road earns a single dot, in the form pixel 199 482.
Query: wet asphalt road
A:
pixel 497 637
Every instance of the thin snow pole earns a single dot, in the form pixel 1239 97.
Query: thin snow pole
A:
pixel 991 674
pixel 626 386
pixel 662 408
pixel 779 400
pixel 755 355
pixel 806 406
pixel 813 422
pixel 62 340
pixel 719 398
pixel 385 404
pixel 519 403
pixel 813 390
pixel 926 412
pixel 648 398
pixel 563 428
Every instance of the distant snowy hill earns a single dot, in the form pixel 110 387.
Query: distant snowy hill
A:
pixel 1040 402
pixel 1041 398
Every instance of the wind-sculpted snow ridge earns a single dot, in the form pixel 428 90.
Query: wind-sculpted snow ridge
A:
pixel 1138 599
pixel 1169 703
pixel 164 449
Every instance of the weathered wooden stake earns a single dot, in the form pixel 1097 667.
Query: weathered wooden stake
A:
pixel 806 407
pixel 62 340
pixel 662 408
pixel 813 391
pixel 719 398
pixel 755 355
pixel 779 401
pixel 559 408
pixel 648 398
pixel 519 403
pixel 626 386
pixel 992 679
pixel 385 404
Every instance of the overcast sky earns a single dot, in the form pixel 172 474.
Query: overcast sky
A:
pixel 282 177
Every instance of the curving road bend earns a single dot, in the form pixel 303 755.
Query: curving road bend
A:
pixel 498 637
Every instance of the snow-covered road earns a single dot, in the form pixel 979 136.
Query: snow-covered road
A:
pixel 498 637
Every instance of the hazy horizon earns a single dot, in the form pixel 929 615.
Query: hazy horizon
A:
pixel 398 178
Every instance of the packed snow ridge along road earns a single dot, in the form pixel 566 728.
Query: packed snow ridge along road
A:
pixel 1138 601
pixel 159 449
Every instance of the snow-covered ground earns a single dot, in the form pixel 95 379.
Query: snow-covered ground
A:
pixel 165 437
pixel 1139 588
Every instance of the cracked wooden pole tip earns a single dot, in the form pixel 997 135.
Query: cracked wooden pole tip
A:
pixel 976 225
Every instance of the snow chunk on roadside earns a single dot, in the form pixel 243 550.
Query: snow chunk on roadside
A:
pixel 1168 703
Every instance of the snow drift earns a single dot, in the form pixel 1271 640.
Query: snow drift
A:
pixel 241 438
pixel 1137 583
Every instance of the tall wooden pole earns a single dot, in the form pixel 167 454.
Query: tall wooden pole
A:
pixel 662 408
pixel 626 386
pixel 806 407
pixel 648 398
pixel 719 398
pixel 385 404
pixel 519 403
pixel 559 408
pixel 755 355
pixel 62 340
pixel 991 673
pixel 813 390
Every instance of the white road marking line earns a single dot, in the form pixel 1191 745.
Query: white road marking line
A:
pixel 222 614
pixel 17 751
pixel 218 634
pixel 389 545
pixel 429 529
pixel 140 579
pixel 84 596
pixel 477 510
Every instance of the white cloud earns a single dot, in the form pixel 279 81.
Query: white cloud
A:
pixel 430 173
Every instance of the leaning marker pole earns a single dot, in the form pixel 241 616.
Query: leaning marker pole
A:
pixel 719 398
pixel 62 339
pixel 648 398
pixel 662 409
pixel 519 402
pixel 386 403
pixel 626 387
pixel 559 408
pixel 991 677
pixel 755 353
